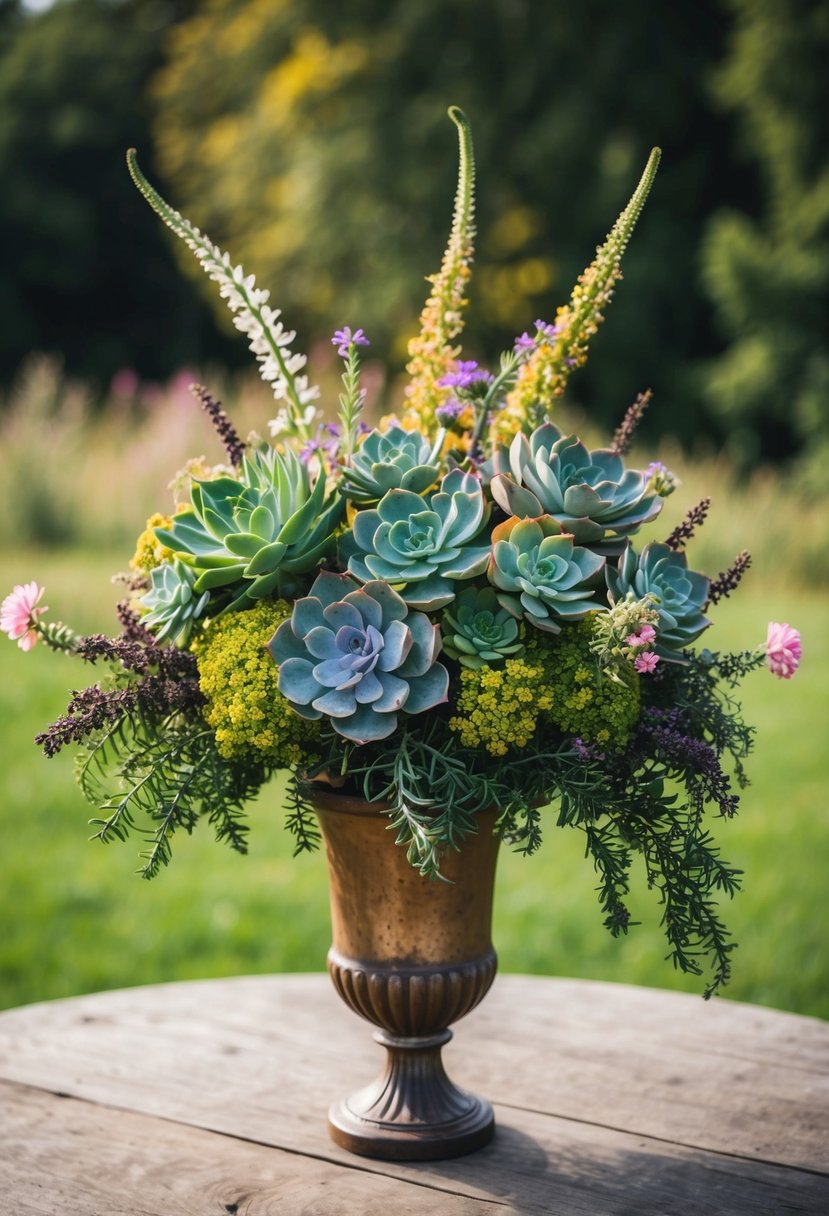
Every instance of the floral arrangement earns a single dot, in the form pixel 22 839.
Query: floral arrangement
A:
pixel 443 613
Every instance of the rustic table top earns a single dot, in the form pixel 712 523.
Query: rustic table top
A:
pixel 211 1097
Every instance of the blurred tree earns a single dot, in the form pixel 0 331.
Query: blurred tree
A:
pixel 84 270
pixel 767 271
pixel 310 138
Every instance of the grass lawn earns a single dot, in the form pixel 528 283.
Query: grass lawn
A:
pixel 75 919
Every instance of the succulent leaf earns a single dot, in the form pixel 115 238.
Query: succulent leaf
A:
pixel 252 537
pixel 679 594
pixel 590 493
pixel 359 659
pixel 173 602
pixel 541 574
pixel 478 630
pixel 390 460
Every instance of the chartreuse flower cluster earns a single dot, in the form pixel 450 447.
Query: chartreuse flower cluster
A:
pixel 240 683
pixel 445 612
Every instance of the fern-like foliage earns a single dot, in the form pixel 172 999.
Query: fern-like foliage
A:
pixel 159 775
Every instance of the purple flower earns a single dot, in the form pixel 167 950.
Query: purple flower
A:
pixel 344 339
pixel 524 343
pixel 450 410
pixel 467 372
pixel 546 329
pixel 325 441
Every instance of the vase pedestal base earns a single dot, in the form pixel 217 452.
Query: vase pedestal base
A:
pixel 413 1112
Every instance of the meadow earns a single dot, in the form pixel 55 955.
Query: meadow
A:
pixel 76 488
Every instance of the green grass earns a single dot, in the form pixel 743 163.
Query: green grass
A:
pixel 76 919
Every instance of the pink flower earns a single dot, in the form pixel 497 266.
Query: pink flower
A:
pixel 783 650
pixel 643 636
pixel 19 613
pixel 645 662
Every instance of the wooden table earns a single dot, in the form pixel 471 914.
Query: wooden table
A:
pixel 211 1097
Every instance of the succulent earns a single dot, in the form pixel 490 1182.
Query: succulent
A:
pixel 678 594
pixel 423 545
pixel 358 656
pixel 258 533
pixel 173 605
pixel 541 574
pixel 590 494
pixel 478 630
pixel 392 460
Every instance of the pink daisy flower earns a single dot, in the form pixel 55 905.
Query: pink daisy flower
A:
pixel 19 614
pixel 645 662
pixel 783 650
pixel 643 636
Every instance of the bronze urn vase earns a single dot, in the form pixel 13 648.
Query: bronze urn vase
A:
pixel 412 955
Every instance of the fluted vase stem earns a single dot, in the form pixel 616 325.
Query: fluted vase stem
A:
pixel 411 956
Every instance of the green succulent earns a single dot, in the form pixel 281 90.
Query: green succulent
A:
pixel 254 537
pixel 541 574
pixel 590 494
pixel 477 630
pixel 392 460
pixel 173 604
pixel 678 594
pixel 358 656
pixel 423 546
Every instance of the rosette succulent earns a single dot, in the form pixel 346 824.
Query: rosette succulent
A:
pixel 392 460
pixel 358 656
pixel 173 604
pixel 477 630
pixel 590 494
pixel 678 594
pixel 258 533
pixel 423 546
pixel 540 573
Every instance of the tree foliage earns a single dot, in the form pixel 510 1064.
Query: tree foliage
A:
pixel 84 272
pixel 767 270
pixel 311 139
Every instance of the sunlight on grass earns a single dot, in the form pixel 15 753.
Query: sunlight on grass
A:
pixel 77 919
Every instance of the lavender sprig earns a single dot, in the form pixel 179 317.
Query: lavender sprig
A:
pixel 694 519
pixel 624 432
pixel 728 580
pixel 224 427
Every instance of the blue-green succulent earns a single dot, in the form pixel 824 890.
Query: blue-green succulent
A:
pixel 590 494
pixel 172 603
pixel 424 546
pixel 478 631
pixel 678 594
pixel 392 460
pixel 358 656
pixel 255 537
pixel 541 574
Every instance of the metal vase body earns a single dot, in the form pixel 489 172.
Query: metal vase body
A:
pixel 412 955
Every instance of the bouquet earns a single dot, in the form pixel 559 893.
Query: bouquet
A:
pixel 440 614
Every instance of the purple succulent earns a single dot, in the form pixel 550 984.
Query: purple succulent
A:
pixel 358 656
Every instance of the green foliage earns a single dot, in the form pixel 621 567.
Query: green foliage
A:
pixel 213 912
pixel 322 124
pixel 586 702
pixel 766 268
pixel 82 272
pixel 167 771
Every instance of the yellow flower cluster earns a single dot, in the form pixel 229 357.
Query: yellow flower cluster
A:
pixel 558 681
pixel 498 708
pixel 248 714
pixel 148 552
pixel 431 353
pixel 587 703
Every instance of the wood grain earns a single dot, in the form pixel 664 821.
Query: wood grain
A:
pixel 608 1098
